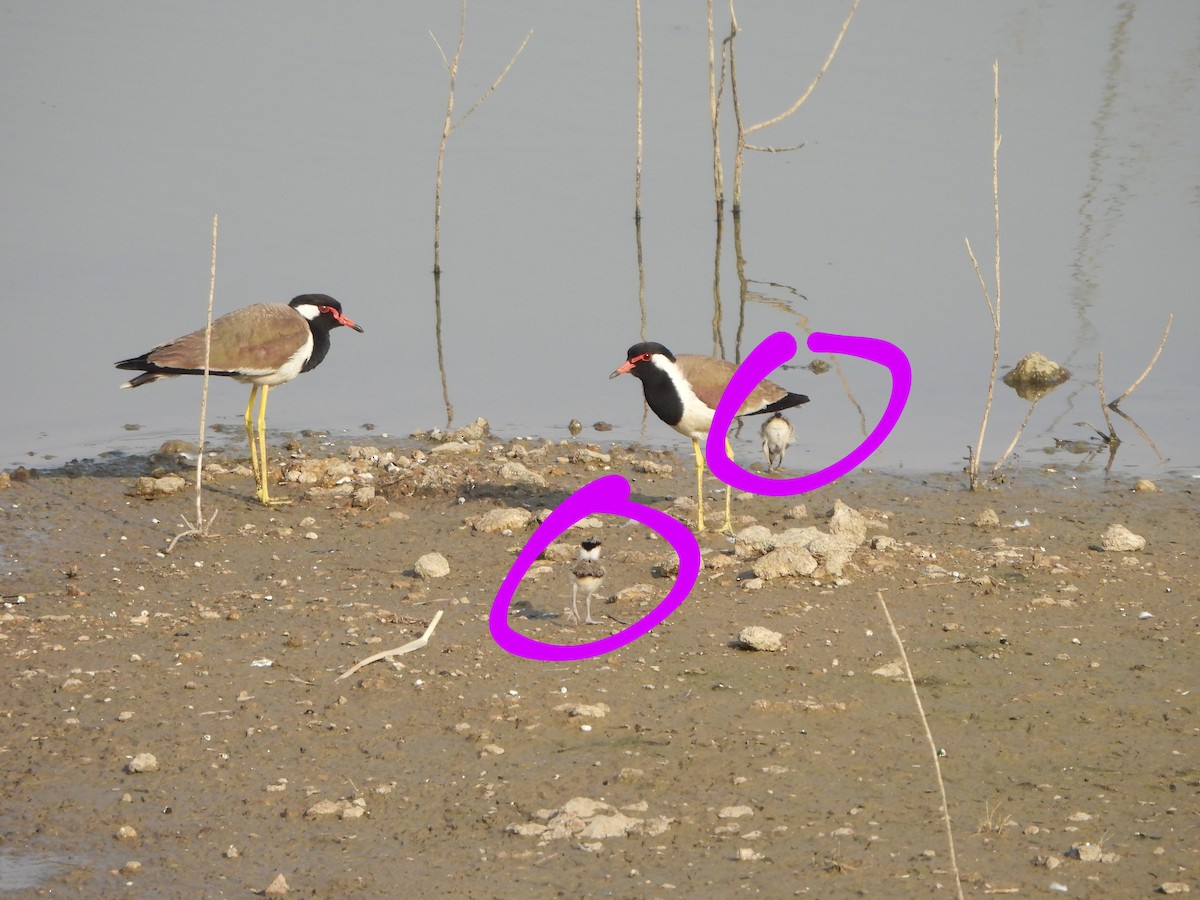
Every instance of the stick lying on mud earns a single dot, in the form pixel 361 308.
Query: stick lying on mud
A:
pixel 397 651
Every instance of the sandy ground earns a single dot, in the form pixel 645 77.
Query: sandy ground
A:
pixel 1057 679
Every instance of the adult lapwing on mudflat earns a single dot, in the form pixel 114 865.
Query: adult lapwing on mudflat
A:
pixel 777 433
pixel 586 575
pixel 262 345
pixel 684 391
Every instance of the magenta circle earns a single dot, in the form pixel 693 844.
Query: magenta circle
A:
pixel 777 349
pixel 609 494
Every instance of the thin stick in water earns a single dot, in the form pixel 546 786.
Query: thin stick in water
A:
pixel 1153 360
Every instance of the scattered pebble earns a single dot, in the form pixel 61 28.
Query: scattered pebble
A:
pixel 276 888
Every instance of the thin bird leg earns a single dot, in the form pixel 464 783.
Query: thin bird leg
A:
pixel 590 620
pixel 728 528
pixel 699 485
pixel 250 439
pixel 262 454
pixel 574 608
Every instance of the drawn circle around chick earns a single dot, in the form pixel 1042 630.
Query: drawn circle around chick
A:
pixel 769 355
pixel 609 494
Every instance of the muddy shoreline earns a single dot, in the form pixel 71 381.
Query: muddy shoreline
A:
pixel 1057 679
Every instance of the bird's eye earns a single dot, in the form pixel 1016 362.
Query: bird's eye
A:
pixel 645 357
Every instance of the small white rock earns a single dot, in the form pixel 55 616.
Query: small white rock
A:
pixel 432 565
pixel 1119 538
pixel 143 762
pixel 758 638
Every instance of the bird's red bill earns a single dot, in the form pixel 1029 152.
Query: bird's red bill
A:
pixel 341 319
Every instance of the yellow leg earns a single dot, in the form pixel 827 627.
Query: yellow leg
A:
pixel 262 453
pixel 258 447
pixel 251 440
pixel 728 527
pixel 699 485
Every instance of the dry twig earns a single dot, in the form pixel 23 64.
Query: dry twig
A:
pixel 201 527
pixel 937 767
pixel 397 651
pixel 1153 360
pixel 742 133
pixel 449 124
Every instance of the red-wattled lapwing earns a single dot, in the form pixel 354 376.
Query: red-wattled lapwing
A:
pixel 261 345
pixel 777 433
pixel 587 575
pixel 684 391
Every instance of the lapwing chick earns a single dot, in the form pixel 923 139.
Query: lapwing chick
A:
pixel 262 345
pixel 684 391
pixel 586 575
pixel 777 433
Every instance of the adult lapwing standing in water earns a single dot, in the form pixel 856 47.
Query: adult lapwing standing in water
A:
pixel 587 576
pixel 262 345
pixel 777 433
pixel 684 391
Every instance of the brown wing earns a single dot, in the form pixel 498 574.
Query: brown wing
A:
pixel 710 376
pixel 252 339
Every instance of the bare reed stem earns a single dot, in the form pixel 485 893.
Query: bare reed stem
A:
pixel 937 767
pixel 200 527
pixel 714 109
pixel 743 133
pixel 637 179
pixel 1112 432
pixel 993 308
pixel 449 124
pixel 1153 360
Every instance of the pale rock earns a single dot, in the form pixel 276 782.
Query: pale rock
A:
pixel 848 522
pixel 734 812
pixel 518 473
pixel 758 638
pixel 784 562
pixel 432 565
pixel 1119 538
pixel 833 551
pixel 495 521
pixel 609 826
pixel 988 518
pixel 753 541
pixel 143 762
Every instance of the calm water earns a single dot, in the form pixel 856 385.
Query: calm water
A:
pixel 312 130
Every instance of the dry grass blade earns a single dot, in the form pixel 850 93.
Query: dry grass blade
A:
pixel 396 651
pixel 937 768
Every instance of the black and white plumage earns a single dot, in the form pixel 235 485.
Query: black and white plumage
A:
pixel 263 345
pixel 777 433
pixel 586 575
pixel 684 392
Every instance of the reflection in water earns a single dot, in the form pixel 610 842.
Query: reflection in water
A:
pixel 1100 212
